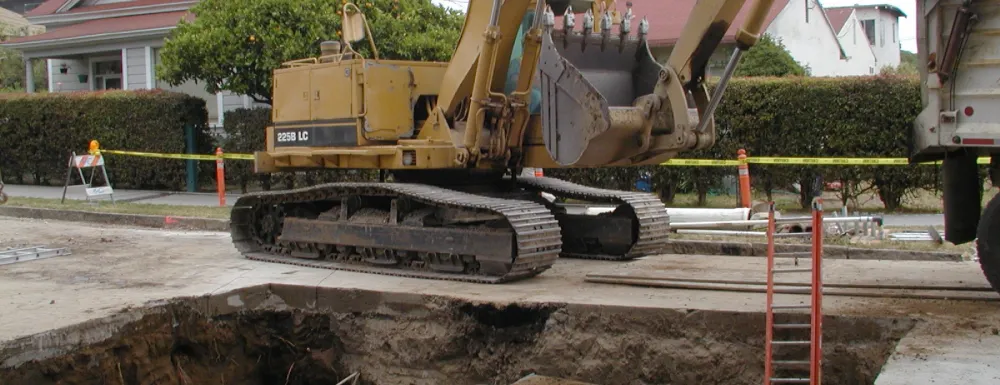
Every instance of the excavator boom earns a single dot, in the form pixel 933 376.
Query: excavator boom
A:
pixel 554 84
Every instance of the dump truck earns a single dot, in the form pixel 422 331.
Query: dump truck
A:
pixel 959 64
pixel 450 140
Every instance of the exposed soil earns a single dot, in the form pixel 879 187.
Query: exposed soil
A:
pixel 417 339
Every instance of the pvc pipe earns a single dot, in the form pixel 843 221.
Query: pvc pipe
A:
pixel 737 232
pixel 681 215
pixel 763 222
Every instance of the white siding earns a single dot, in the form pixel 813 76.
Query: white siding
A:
pixel 136 68
pixel 69 81
pixel 231 101
pixel 809 39
pixel 886 43
pixel 860 58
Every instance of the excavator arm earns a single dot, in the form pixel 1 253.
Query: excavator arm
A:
pixel 597 92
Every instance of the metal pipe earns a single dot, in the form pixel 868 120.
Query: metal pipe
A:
pixel 495 13
pixel 539 10
pixel 717 95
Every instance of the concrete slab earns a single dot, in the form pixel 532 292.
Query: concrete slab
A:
pixel 116 267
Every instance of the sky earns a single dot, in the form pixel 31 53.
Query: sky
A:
pixel 907 25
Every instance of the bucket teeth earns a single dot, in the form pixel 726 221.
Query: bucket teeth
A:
pixel 548 18
pixel 569 19
pixel 624 28
pixel 605 29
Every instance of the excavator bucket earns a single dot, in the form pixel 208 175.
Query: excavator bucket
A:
pixel 590 82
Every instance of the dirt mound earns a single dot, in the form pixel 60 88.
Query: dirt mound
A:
pixel 411 339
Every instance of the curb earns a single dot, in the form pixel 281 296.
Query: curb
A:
pixel 753 249
pixel 154 221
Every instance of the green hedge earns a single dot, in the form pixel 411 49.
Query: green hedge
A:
pixel 40 131
pixel 813 117
pixel 810 117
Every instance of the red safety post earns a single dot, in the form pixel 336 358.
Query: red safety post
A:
pixel 744 171
pixel 816 318
pixel 539 173
pixel 220 176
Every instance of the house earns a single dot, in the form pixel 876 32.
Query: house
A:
pixel 844 20
pixel 879 24
pixel 111 44
pixel 822 41
pixel 801 25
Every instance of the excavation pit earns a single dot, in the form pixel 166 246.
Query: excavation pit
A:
pixel 298 335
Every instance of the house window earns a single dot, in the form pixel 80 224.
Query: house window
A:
pixel 108 75
pixel 894 29
pixel 869 25
pixel 881 34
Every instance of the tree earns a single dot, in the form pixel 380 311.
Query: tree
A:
pixel 907 65
pixel 12 68
pixel 233 45
pixel 768 57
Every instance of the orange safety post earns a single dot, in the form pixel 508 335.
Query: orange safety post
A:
pixel 744 171
pixel 220 176
pixel 539 173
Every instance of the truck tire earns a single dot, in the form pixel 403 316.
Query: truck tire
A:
pixel 988 243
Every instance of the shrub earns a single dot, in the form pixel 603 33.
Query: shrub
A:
pixel 825 117
pixel 798 117
pixel 40 131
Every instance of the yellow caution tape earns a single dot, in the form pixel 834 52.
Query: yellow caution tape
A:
pixel 180 156
pixel 701 162
pixel 828 161
pixel 671 162
pixel 805 161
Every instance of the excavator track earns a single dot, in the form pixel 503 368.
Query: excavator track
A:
pixel 400 229
pixel 638 227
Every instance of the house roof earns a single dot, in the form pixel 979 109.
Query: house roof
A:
pixel 665 27
pixel 108 26
pixel 882 7
pixel 47 8
pixel 838 17
pixel 51 7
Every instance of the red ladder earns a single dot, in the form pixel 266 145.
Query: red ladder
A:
pixel 790 367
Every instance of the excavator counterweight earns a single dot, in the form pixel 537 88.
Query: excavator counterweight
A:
pixel 538 84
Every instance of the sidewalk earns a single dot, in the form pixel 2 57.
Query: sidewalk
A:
pixel 131 196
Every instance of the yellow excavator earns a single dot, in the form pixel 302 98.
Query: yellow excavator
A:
pixel 454 137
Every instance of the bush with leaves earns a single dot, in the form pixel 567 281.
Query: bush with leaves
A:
pixel 769 57
pixel 40 131
pixel 818 117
